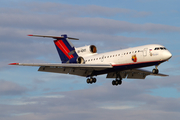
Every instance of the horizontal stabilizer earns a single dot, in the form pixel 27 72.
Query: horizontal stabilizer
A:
pixel 55 37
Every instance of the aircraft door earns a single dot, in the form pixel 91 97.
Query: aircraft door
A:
pixel 145 52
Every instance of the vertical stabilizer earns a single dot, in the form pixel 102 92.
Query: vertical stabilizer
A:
pixel 65 49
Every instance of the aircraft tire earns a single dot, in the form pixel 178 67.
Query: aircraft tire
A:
pixel 119 82
pixel 91 80
pixel 155 71
pixel 113 82
pixel 88 80
pixel 94 80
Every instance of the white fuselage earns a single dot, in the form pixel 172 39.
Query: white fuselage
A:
pixel 136 55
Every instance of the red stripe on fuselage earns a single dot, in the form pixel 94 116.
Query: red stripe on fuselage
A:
pixel 60 44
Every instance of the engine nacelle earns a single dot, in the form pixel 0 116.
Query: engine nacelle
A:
pixel 86 50
pixel 79 60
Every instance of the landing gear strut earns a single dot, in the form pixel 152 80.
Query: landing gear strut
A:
pixel 118 80
pixel 91 80
pixel 155 71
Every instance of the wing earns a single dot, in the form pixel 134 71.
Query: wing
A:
pixel 134 74
pixel 74 69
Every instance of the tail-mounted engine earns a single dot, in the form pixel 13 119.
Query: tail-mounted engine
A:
pixel 79 60
pixel 86 50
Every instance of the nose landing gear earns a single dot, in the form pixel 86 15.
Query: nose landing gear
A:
pixel 155 71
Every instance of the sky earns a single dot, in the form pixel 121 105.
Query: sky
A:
pixel 110 25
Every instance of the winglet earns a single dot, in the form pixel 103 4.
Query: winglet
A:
pixel 14 64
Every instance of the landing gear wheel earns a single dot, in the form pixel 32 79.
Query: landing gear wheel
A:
pixel 155 71
pixel 119 82
pixel 91 80
pixel 113 82
pixel 116 82
pixel 94 80
pixel 88 80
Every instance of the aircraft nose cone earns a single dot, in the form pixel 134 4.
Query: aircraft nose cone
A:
pixel 167 55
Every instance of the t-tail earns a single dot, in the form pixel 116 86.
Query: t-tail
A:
pixel 65 48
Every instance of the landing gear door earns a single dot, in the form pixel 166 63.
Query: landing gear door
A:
pixel 145 52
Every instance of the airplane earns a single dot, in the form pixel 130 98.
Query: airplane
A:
pixel 86 62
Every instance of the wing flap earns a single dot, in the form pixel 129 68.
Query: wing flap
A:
pixel 72 71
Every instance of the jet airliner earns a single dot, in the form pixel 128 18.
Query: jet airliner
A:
pixel 86 62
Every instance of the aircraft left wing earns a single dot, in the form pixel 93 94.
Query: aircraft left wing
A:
pixel 65 65
pixel 134 74
pixel 74 69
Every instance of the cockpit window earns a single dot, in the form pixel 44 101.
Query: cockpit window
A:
pixel 160 48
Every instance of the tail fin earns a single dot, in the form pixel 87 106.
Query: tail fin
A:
pixel 65 49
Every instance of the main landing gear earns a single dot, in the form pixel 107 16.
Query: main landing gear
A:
pixel 155 71
pixel 91 80
pixel 118 80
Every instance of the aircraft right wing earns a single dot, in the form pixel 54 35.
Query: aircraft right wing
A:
pixel 134 74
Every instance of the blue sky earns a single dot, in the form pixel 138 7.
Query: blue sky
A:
pixel 110 25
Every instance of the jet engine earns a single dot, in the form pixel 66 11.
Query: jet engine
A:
pixel 86 50
pixel 79 60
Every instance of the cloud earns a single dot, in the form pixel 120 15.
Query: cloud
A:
pixel 31 18
pixel 17 22
pixel 131 100
pixel 85 24
pixel 10 88
pixel 78 10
